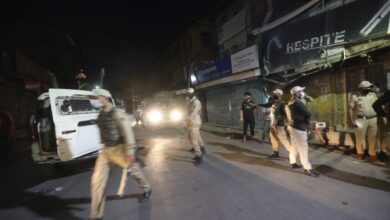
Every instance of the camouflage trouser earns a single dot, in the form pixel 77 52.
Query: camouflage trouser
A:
pixel 265 129
pixel 109 157
pixel 278 134
pixel 195 138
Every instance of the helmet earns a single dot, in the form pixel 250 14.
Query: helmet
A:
pixel 365 84
pixel 190 90
pixel 101 92
pixel 278 91
pixel 296 89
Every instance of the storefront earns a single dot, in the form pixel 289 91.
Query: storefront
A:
pixel 222 84
pixel 330 52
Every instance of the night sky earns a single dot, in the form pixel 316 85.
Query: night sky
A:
pixel 119 35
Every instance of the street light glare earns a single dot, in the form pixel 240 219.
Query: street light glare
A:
pixel 193 78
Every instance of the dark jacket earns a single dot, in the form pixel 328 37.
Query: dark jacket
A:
pixel 278 110
pixel 299 115
pixel 248 110
pixel 82 86
pixel 385 98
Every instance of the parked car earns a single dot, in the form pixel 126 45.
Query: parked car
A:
pixel 64 127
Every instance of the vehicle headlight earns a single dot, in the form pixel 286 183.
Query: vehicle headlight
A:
pixel 176 115
pixel 155 116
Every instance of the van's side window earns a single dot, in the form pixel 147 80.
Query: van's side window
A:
pixel 72 106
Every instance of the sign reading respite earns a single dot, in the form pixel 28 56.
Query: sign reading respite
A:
pixel 315 42
pixel 308 42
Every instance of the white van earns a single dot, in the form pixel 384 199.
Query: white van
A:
pixel 64 127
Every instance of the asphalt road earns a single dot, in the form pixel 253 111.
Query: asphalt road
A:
pixel 236 181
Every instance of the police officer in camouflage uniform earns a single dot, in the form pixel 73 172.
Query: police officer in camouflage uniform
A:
pixel 119 149
pixel 278 122
pixel 194 122
pixel 364 119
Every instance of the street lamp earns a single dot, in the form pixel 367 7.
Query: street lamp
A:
pixel 193 79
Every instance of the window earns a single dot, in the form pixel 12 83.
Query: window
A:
pixel 327 6
pixel 74 106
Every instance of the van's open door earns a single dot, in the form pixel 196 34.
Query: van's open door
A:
pixel 75 123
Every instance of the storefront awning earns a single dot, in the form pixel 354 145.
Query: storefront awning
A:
pixel 231 78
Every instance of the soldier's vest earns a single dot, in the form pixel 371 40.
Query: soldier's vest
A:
pixel 278 113
pixel 109 130
pixel 363 106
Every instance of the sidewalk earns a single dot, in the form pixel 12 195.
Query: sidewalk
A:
pixel 235 132
pixel 330 161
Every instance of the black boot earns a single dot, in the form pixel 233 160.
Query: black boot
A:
pixel 312 172
pixel 145 196
pixel 295 166
pixel 275 155
pixel 382 156
pixel 198 160
pixel 203 150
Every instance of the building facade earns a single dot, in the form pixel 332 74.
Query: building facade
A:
pixel 193 46
pixel 35 56
pixel 327 46
pixel 44 43
pixel 21 81
pixel 221 84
